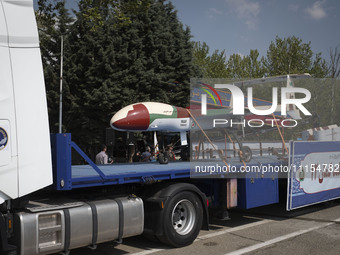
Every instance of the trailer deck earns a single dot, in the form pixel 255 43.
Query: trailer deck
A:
pixel 85 175
pixel 68 176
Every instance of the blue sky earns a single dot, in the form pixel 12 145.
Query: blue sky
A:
pixel 240 25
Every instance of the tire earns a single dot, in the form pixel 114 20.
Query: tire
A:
pixel 246 154
pixel 182 219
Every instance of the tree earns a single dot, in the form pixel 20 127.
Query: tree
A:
pixel 96 11
pixel 53 21
pixel 334 72
pixel 291 55
pixel 246 67
pixel 211 66
pixel 334 65
pixel 113 64
pixel 235 66
pixel 85 92
pixel 254 66
pixel 156 54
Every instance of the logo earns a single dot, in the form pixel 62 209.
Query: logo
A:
pixel 3 138
pixel 205 89
pixel 238 100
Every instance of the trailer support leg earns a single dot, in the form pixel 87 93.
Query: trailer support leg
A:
pixel 222 212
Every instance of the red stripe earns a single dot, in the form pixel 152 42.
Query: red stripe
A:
pixel 213 90
pixel 182 113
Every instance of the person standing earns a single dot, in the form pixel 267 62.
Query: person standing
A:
pixel 146 155
pixel 101 157
pixel 170 152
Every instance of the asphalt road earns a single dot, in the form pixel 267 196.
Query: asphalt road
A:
pixel 264 230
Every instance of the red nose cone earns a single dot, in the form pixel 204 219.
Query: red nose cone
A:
pixel 136 119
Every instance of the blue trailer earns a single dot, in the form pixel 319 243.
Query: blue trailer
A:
pixel 253 189
pixel 161 193
pixel 90 204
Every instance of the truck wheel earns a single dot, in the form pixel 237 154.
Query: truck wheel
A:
pixel 183 216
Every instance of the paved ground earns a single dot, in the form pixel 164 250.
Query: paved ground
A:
pixel 265 230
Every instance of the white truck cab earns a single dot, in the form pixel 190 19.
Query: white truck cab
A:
pixel 25 155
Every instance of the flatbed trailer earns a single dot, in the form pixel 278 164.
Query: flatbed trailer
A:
pixel 68 176
pixel 253 189
pixel 147 198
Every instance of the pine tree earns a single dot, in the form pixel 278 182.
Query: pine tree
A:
pixel 147 57
pixel 83 78
pixel 155 57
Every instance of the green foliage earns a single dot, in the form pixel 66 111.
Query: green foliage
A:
pixel 284 56
pixel 154 52
pixel 95 12
pixel 291 55
pixel 334 63
pixel 53 21
pixel 120 52
pixel 213 66
pixel 116 53
pixel 246 67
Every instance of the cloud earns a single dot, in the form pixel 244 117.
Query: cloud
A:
pixel 246 11
pixel 293 7
pixel 215 11
pixel 317 11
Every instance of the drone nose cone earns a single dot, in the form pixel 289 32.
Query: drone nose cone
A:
pixel 133 117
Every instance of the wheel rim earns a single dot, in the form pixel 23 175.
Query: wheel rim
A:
pixel 183 217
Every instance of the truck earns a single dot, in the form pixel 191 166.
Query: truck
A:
pixel 48 205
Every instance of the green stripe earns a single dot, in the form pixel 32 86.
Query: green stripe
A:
pixel 212 97
pixel 154 116
pixel 218 112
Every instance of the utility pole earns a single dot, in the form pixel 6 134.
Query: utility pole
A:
pixel 61 87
